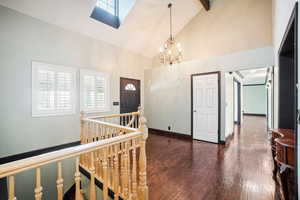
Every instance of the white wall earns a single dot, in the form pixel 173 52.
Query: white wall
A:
pixel 168 88
pixel 24 39
pixel 282 11
pixel 240 80
pixel 270 107
pixel 255 99
pixel 229 103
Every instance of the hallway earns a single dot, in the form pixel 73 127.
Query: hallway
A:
pixel 194 170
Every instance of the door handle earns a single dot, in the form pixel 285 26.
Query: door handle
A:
pixel 195 111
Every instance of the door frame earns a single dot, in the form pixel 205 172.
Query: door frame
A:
pixel 239 87
pixel 267 115
pixel 219 102
pixel 120 90
pixel 271 100
pixel 293 19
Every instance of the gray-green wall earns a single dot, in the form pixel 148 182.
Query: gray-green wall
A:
pixel 255 99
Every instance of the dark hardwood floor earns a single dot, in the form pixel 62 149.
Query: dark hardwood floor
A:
pixel 194 170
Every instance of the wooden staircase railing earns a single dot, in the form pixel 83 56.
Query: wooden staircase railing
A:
pixel 113 154
pixel 121 167
pixel 124 119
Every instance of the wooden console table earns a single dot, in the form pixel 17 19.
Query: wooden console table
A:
pixel 283 148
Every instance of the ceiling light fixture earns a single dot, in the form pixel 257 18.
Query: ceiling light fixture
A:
pixel 171 51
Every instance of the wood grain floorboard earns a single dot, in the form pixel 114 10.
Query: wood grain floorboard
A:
pixel 194 170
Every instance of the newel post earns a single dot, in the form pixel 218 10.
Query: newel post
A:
pixel 143 188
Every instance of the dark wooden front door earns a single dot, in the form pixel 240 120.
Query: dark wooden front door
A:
pixel 130 95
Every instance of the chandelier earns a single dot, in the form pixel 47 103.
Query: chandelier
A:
pixel 171 52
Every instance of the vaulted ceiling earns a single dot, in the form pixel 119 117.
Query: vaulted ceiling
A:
pixel 145 28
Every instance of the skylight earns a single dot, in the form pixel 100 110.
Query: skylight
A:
pixel 112 12
pixel 108 5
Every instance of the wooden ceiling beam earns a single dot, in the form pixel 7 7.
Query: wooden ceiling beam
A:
pixel 205 4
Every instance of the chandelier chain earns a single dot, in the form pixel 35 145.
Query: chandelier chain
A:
pixel 171 36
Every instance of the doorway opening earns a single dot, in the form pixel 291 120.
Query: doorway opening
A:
pixel 287 80
pixel 288 108
pixel 255 92
pixel 246 94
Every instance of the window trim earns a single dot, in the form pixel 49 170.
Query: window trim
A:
pixel 35 66
pixel 107 108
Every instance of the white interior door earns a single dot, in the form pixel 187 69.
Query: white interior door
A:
pixel 205 107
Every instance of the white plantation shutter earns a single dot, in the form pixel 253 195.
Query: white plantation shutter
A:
pixel 100 93
pixel 64 84
pixel 46 81
pixel 94 91
pixel 53 89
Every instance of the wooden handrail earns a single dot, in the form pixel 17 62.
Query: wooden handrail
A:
pixel 107 124
pixel 44 159
pixel 123 119
pixel 114 115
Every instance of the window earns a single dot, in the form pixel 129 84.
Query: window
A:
pixel 94 91
pixel 53 90
pixel 130 86
pixel 108 5
pixel 107 12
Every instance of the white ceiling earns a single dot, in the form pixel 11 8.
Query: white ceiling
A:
pixel 144 30
pixel 254 76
